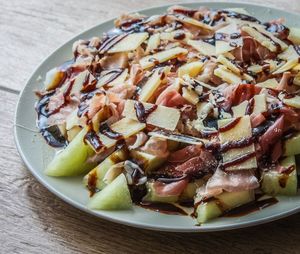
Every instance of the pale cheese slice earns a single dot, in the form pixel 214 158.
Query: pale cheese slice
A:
pixel 193 22
pixel 107 75
pixel 240 110
pixel 162 117
pixel 226 46
pixel 282 44
pixel 227 76
pixel 190 95
pixel 192 69
pixel 238 10
pixel 287 66
pixel 260 104
pixel 160 57
pixel 153 43
pixel 223 60
pixel 293 102
pixel 203 47
pixel 126 127
pixel 240 131
pixel 259 37
pixel 294 35
pixel 129 43
pixel 152 84
pixel 269 83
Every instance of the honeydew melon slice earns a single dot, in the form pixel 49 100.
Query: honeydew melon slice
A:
pixel 222 203
pixel 275 183
pixel 73 159
pixel 115 196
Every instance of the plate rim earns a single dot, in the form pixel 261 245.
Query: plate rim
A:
pixel 140 225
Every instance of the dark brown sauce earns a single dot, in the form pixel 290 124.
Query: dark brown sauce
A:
pixel 241 16
pixel 233 44
pixel 51 134
pixel 236 144
pixel 250 107
pixel 179 36
pixel 230 125
pixel 186 12
pixel 220 36
pixel 239 160
pixel 281 30
pixel 235 36
pixel 141 112
pixel 163 208
pixel 94 140
pixel 115 74
pixel 171 180
pixel 92 183
pixel 110 42
pixel 108 132
pixel 297 49
pixel 250 207
pixel 88 87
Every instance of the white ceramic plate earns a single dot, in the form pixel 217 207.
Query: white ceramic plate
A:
pixel 36 153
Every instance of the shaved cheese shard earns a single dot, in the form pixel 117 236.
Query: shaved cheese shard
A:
pixel 162 117
pixel 293 102
pixel 227 76
pixel 259 37
pixel 296 80
pixel 190 95
pixel 203 47
pixel 296 67
pixel 109 75
pixel 240 110
pixel 238 10
pixel 287 66
pixel 256 68
pixel 129 43
pixel 192 69
pixel 223 46
pixel 53 78
pixel 294 35
pixel 72 120
pixel 223 60
pixel 178 137
pixel 288 54
pixel 260 104
pixel 282 44
pixel 153 43
pixel 238 132
pixel 79 80
pixel 126 127
pixel 162 56
pixel 153 83
pixel 269 83
pixel 172 36
pixel 193 22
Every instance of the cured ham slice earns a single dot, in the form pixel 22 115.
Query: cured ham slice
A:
pixel 170 189
pixel 272 135
pixel 230 182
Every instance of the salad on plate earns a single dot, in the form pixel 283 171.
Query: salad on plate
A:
pixel 194 111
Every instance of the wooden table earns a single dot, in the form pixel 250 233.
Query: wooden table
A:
pixel 32 220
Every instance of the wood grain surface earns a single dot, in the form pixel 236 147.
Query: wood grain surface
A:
pixel 32 220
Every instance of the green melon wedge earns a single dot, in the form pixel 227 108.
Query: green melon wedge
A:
pixel 222 203
pixel 73 159
pixel 115 196
pixel 292 145
pixel 275 183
